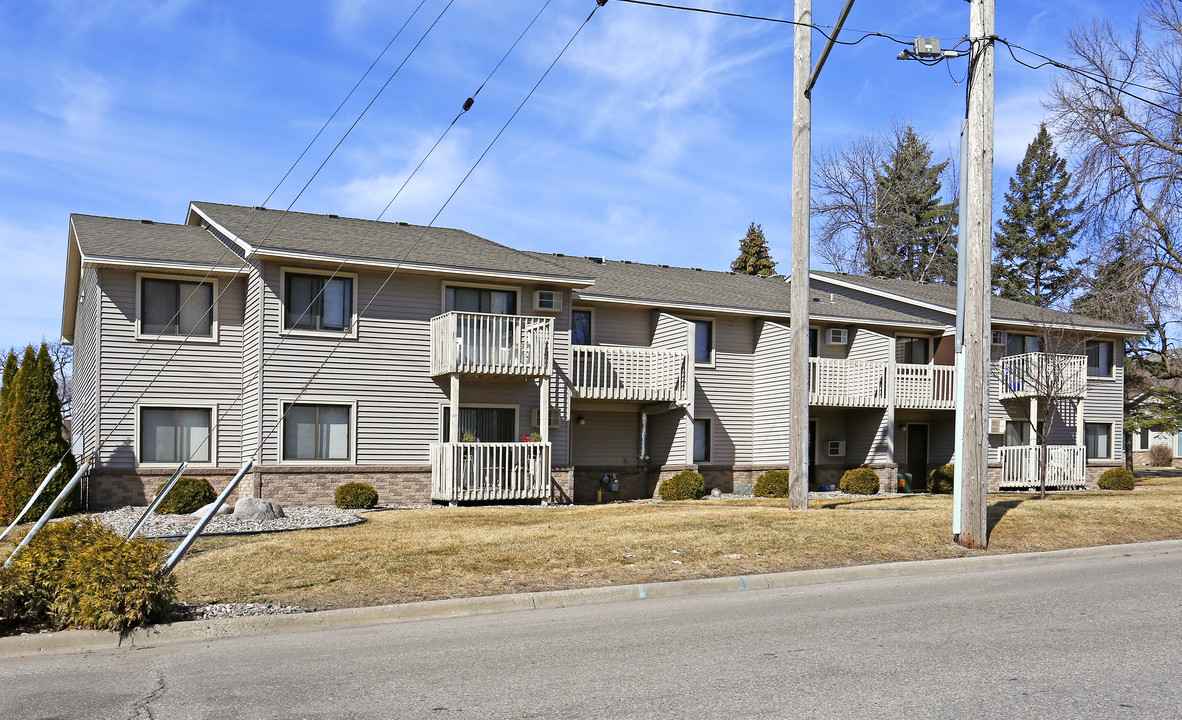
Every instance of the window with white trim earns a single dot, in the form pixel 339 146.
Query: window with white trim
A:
pixel 703 341
pixel 317 302
pixel 580 326
pixel 1098 440
pixel 316 432
pixel 1099 358
pixel 1017 433
pixel 176 307
pixel 174 435
pixel 702 440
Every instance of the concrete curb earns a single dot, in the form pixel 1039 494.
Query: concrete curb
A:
pixel 71 641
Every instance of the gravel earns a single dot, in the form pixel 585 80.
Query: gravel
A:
pixel 173 526
pixel 191 611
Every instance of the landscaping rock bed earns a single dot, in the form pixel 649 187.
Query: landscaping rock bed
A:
pixel 191 611
pixel 175 526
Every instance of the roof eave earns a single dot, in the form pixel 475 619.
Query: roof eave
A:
pixel 73 281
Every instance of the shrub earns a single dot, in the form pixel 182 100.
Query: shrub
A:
pixel 188 496
pixel 685 485
pixel 940 481
pixel 773 483
pixel 859 481
pixel 1161 455
pixel 1117 478
pixel 356 496
pixel 82 573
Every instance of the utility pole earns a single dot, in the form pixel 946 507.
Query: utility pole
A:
pixel 974 310
pixel 798 399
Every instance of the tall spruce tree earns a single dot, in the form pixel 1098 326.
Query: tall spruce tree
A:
pixel 913 229
pixel 754 257
pixel 1037 232
pixel 10 368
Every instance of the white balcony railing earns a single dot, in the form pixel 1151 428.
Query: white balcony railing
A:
pixel 628 373
pixel 485 344
pixel 1065 466
pixel 925 387
pixel 1042 375
pixel 463 472
pixel 847 383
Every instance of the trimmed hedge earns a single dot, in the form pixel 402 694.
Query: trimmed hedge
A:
pixel 356 496
pixel 859 481
pixel 773 483
pixel 188 496
pixel 940 481
pixel 81 573
pixel 1117 478
pixel 685 485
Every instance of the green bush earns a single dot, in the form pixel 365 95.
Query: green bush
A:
pixel 773 483
pixel 356 496
pixel 1117 478
pixel 940 481
pixel 82 574
pixel 859 481
pixel 188 496
pixel 685 485
pixel 1161 455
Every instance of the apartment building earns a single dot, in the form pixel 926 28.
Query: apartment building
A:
pixel 440 366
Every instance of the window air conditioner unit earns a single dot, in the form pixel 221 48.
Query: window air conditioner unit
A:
pixel 997 426
pixel 547 300
pixel 837 448
pixel 837 336
pixel 535 418
pixel 998 337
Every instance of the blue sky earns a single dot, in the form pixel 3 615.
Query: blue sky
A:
pixel 658 137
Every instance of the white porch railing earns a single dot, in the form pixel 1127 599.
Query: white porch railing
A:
pixel 462 472
pixel 925 387
pixel 486 344
pixel 1065 466
pixel 848 383
pixel 628 373
pixel 1042 375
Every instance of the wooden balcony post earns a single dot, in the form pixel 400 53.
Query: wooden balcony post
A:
pixel 544 411
pixel 453 420
pixel 892 382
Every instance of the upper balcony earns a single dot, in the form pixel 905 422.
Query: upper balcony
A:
pixel 847 383
pixel 629 373
pixel 486 344
pixel 925 387
pixel 1042 375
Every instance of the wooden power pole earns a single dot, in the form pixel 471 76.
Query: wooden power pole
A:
pixel 977 292
pixel 798 400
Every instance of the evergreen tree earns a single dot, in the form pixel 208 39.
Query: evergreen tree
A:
pixel 32 441
pixel 10 367
pixel 754 258
pixel 913 233
pixel 1036 235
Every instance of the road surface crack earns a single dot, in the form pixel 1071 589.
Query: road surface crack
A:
pixel 141 710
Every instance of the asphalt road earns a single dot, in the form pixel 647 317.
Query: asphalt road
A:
pixel 1079 638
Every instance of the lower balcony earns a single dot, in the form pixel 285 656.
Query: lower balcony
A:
pixel 1065 466
pixel 628 373
pixel 476 472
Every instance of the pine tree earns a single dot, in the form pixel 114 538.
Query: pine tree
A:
pixel 913 231
pixel 10 367
pixel 1034 238
pixel 754 258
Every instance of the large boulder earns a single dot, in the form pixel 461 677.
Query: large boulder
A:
pixel 257 509
pixel 223 510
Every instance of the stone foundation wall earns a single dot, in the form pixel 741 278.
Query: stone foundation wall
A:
pixel 1141 457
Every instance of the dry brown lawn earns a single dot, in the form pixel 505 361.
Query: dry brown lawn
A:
pixel 406 555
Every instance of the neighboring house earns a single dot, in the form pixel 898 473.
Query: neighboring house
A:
pixel 1142 440
pixel 428 384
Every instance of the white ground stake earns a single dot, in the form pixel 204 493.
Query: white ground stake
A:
pixel 29 505
pixel 192 536
pixel 49 513
pixel 157 500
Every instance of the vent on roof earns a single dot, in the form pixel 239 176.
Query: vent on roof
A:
pixel 148 222
pixel 665 266
pixel 627 262
pixel 259 207
pixel 559 255
pixel 331 215
pixel 698 269
pixel 403 223
pixel 596 260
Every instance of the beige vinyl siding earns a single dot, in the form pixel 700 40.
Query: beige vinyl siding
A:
pixel 1105 401
pixel 87 331
pixel 620 324
pixel 606 438
pixel 831 352
pixel 866 439
pixel 770 389
pixel 669 439
pixel 190 373
pixel 252 360
pixel 868 345
pixel 723 392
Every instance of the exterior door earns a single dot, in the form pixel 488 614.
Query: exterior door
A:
pixel 917 455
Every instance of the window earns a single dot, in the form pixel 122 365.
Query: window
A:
pixel 1099 358
pixel 814 348
pixel 1098 440
pixel 487 424
pixel 174 435
pixel 1143 439
pixel 912 350
pixel 481 300
pixel 702 441
pixel 1021 344
pixel 317 302
pixel 703 341
pixel 176 307
pixel 580 327
pixel 1017 433
pixel 316 432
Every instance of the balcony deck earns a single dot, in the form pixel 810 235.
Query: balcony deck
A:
pixel 486 344
pixel 1042 375
pixel 466 472
pixel 629 373
pixel 1065 466
pixel 847 383
pixel 925 387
